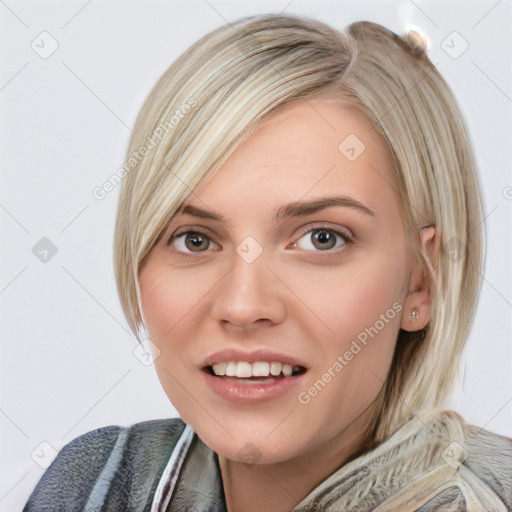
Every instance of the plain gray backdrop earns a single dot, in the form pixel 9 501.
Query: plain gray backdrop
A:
pixel 73 76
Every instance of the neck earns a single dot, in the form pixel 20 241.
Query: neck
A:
pixel 281 486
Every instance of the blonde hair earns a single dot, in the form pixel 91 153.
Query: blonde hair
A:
pixel 233 79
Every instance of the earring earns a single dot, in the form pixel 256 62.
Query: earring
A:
pixel 414 315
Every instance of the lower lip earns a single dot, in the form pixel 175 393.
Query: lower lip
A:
pixel 252 392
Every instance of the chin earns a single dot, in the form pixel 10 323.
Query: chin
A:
pixel 250 441
pixel 254 451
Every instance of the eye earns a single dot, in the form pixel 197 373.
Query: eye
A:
pixel 322 239
pixel 190 241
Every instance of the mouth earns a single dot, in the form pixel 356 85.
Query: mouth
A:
pixel 257 372
pixel 251 377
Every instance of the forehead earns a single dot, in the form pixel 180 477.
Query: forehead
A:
pixel 311 148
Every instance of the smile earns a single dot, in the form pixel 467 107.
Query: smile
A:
pixel 252 377
pixel 247 370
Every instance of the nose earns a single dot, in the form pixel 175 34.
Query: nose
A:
pixel 248 296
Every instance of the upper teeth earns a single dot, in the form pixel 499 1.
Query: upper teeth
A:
pixel 243 369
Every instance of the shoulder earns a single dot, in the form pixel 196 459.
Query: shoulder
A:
pixel 100 465
pixel 479 462
pixel 488 457
pixel 452 465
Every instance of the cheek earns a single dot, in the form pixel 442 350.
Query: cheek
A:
pixel 168 298
pixel 174 304
pixel 354 296
pixel 167 307
pixel 158 303
pixel 361 306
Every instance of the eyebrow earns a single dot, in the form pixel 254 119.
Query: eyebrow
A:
pixel 302 208
pixel 293 209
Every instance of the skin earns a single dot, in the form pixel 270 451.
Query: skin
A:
pixel 305 299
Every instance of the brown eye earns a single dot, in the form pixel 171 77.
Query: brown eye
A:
pixel 322 239
pixel 196 241
pixel 190 242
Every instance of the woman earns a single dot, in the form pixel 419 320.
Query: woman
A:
pixel 299 236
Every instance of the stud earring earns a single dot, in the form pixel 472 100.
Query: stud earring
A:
pixel 414 315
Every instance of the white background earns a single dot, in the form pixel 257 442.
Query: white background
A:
pixel 67 364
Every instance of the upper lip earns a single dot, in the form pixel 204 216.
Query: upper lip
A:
pixel 253 356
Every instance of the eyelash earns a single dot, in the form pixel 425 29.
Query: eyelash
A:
pixel 346 237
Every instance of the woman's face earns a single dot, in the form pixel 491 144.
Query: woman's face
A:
pixel 291 259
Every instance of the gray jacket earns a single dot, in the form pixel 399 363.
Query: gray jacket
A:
pixel 430 464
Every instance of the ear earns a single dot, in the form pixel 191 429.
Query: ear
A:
pixel 418 302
